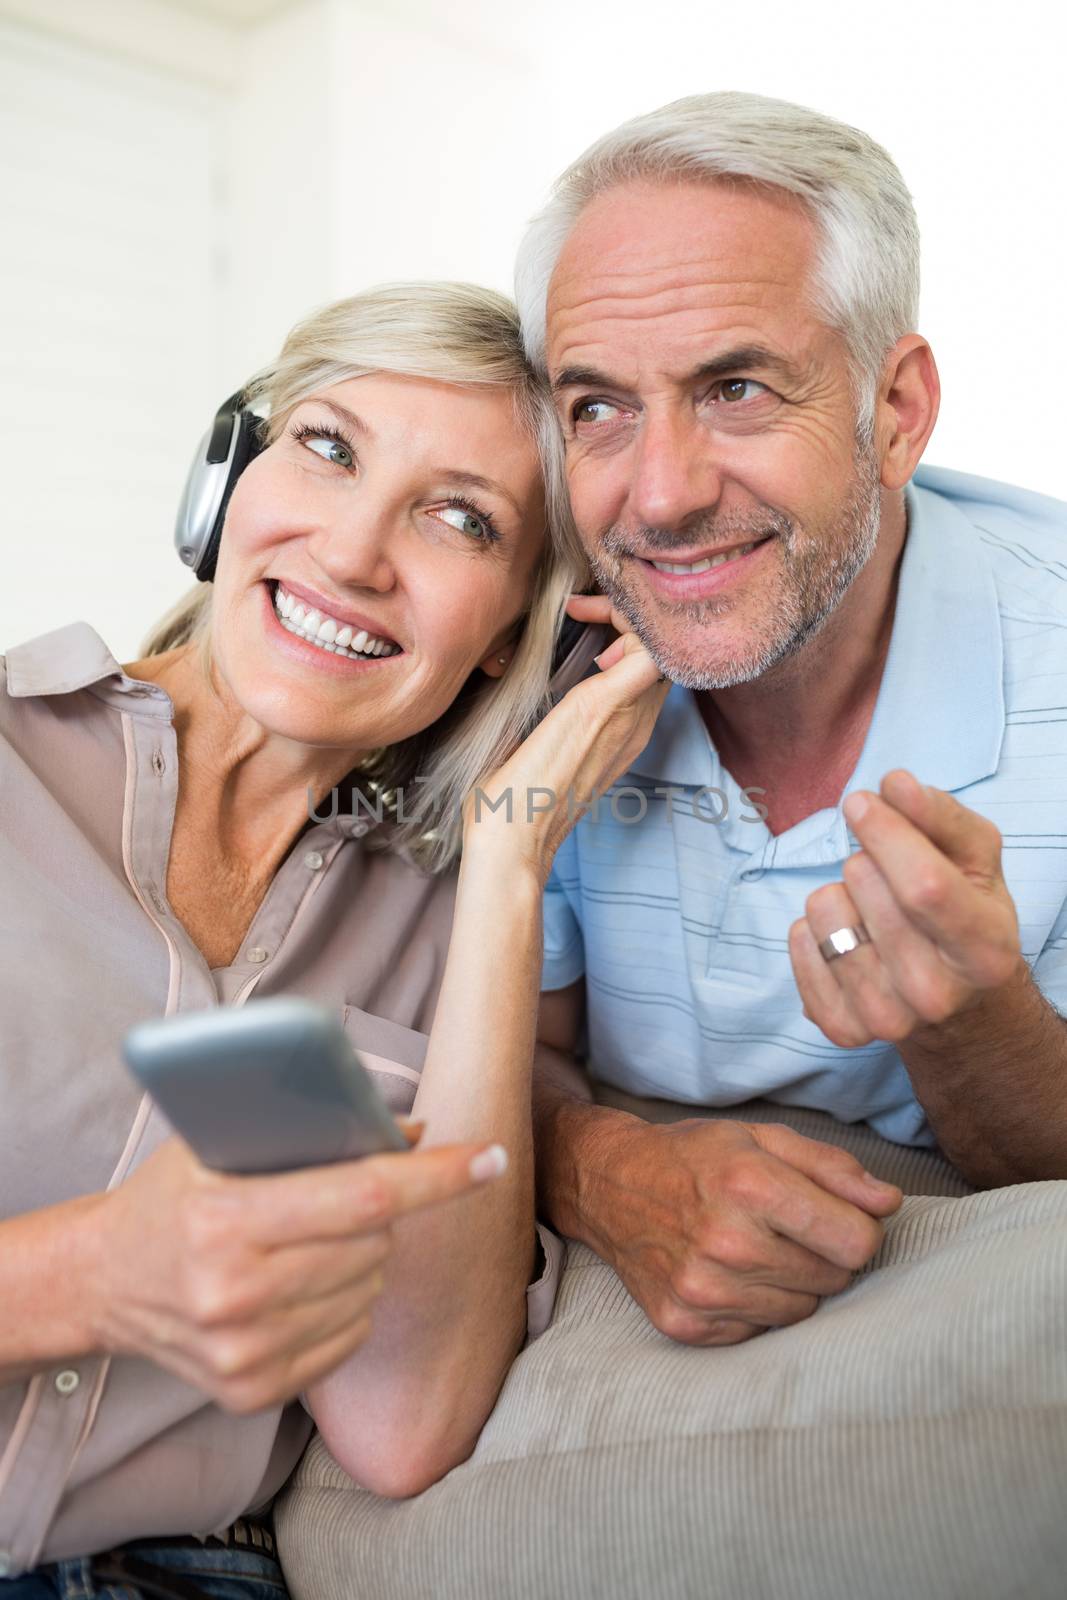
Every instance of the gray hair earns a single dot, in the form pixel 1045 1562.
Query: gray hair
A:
pixel 867 282
pixel 455 333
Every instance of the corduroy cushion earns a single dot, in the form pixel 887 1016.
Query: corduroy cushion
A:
pixel 909 1439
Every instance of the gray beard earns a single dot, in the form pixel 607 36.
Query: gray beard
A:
pixel 819 569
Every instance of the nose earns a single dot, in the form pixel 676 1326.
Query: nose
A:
pixel 675 475
pixel 356 552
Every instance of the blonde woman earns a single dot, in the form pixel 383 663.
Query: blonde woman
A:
pixel 392 572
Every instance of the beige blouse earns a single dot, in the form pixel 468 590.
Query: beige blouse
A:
pixel 107 1450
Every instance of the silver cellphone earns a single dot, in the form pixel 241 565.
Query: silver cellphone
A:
pixel 266 1087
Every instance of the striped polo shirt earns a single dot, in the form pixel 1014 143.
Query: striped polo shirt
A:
pixel 675 900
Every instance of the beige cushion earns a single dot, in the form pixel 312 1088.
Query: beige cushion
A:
pixel 909 1439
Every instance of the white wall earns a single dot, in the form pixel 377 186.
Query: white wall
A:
pixel 109 326
pixel 372 143
pixel 282 152
pixel 254 173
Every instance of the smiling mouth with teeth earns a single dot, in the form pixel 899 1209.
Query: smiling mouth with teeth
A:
pixel 707 564
pixel 326 632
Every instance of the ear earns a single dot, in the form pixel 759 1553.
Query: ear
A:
pixel 908 402
pixel 496 663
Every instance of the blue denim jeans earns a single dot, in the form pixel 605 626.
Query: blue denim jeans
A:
pixel 221 1574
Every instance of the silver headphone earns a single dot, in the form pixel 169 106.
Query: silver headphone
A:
pixel 233 440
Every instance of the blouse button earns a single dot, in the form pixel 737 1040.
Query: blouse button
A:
pixel 66 1382
pixel 257 954
pixel 314 860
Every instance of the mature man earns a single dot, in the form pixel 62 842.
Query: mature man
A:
pixel 838 876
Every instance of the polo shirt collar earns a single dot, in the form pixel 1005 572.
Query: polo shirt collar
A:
pixel 680 750
pixel 940 706
pixel 940 709
pixel 69 658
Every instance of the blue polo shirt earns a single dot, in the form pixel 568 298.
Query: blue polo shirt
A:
pixel 676 904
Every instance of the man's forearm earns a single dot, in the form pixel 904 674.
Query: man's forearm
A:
pixel 567 1124
pixel 993 1082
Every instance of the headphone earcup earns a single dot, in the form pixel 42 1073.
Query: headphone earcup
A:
pixel 232 441
pixel 246 447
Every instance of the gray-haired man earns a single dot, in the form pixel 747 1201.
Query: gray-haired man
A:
pixel 724 295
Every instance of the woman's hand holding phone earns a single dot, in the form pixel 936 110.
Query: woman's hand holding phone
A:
pixel 580 748
pixel 251 1288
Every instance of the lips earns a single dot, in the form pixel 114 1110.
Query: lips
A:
pixel 311 634
pixel 704 560
pixel 703 573
pixel 335 610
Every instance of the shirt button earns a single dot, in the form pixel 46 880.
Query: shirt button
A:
pixel 750 874
pixel 5 1563
pixel 314 860
pixel 257 954
pixel 66 1382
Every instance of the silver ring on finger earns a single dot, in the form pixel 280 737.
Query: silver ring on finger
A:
pixel 842 941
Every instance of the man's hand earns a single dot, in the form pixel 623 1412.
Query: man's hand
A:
pixel 927 886
pixel 722 1229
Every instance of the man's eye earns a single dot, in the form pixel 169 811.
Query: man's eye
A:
pixel 330 450
pixel 734 389
pixel 594 411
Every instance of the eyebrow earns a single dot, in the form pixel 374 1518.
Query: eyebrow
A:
pixel 474 480
pixel 742 356
pixel 342 413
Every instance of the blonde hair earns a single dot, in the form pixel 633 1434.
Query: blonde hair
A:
pixel 454 333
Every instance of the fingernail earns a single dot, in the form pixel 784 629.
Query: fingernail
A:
pixel 856 807
pixel 877 1183
pixel 489 1163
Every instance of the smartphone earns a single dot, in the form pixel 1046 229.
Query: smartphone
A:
pixel 266 1087
pixel 578 643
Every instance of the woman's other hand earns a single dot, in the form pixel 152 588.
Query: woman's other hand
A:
pixel 576 753
pixel 251 1288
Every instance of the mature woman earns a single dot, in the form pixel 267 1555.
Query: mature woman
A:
pixel 383 609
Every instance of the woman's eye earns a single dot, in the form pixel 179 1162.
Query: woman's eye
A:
pixel 593 411
pixel 330 450
pixel 732 390
pixel 467 521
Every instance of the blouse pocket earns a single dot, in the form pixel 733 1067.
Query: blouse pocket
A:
pixel 393 1055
